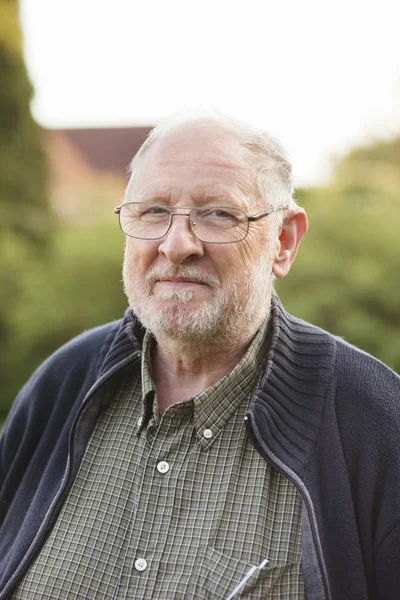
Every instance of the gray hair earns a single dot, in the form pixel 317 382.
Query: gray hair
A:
pixel 266 155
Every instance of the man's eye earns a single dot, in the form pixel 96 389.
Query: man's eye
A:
pixel 153 212
pixel 217 213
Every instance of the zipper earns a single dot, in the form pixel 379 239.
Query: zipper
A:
pixel 264 451
pixel 43 527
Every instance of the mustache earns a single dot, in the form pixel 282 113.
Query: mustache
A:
pixel 191 273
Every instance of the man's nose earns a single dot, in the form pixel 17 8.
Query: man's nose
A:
pixel 180 243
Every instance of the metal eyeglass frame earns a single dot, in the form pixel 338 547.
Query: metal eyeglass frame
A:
pixel 250 219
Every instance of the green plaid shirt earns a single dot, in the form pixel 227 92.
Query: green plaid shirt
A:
pixel 178 506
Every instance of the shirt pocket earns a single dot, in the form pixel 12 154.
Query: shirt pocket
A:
pixel 220 574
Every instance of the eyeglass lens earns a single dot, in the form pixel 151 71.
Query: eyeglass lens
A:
pixel 209 224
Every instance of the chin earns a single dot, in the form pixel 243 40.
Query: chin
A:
pixel 179 308
pixel 188 319
pixel 180 297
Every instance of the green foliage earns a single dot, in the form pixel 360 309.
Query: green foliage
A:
pixel 346 276
pixel 24 212
pixel 75 287
pixel 23 197
pixel 10 32
pixel 372 168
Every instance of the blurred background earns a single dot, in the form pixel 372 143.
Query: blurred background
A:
pixel 81 84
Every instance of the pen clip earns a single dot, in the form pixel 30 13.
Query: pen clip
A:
pixel 245 579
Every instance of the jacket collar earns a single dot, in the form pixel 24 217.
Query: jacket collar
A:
pixel 289 404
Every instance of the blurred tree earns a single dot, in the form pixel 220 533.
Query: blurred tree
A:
pixel 373 167
pixel 77 287
pixel 23 200
pixel 346 276
pixel 24 212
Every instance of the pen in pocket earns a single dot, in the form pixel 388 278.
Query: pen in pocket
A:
pixel 247 577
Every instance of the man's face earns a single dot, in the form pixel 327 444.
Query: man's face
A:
pixel 179 286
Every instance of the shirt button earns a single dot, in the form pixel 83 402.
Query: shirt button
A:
pixel 163 466
pixel 207 433
pixel 139 422
pixel 140 564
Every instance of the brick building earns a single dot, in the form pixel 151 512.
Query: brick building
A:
pixel 88 168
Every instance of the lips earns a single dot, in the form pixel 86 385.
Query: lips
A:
pixel 174 275
pixel 179 283
pixel 181 280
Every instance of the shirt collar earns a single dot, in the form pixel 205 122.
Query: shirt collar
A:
pixel 213 408
pixel 149 408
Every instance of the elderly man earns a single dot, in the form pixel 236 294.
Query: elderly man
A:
pixel 208 445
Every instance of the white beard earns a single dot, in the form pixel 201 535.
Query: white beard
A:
pixel 235 310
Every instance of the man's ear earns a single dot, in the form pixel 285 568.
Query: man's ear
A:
pixel 292 232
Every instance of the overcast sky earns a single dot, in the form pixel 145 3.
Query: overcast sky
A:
pixel 322 76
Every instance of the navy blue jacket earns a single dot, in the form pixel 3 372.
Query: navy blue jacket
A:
pixel 326 414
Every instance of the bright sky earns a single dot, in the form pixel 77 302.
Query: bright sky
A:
pixel 320 75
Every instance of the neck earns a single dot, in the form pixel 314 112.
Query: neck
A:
pixel 181 370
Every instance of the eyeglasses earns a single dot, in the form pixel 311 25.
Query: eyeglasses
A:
pixel 212 224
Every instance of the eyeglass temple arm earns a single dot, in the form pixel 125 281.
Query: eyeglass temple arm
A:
pixel 266 213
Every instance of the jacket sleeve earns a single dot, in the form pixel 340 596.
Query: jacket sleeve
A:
pixel 369 425
pixel 388 566
pixel 11 436
pixel 38 424
pixel 35 426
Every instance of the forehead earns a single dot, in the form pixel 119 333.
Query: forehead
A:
pixel 200 160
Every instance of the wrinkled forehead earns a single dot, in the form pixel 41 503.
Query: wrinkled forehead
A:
pixel 201 135
pixel 204 147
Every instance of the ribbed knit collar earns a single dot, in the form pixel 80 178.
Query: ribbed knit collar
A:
pixel 289 403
